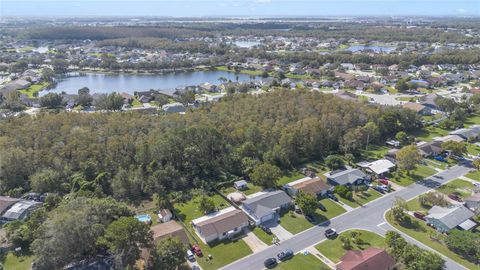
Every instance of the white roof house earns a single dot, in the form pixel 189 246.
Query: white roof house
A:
pixel 378 167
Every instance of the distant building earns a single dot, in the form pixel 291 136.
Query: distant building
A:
pixel 473 202
pixel 418 108
pixel 16 209
pixel 173 108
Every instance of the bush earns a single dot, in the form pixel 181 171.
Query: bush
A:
pixel 343 192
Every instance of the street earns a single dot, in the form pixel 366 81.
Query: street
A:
pixel 368 217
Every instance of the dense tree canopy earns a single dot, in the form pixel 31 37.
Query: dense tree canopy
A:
pixel 129 155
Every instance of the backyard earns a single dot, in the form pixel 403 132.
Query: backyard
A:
pixel 250 190
pixel 333 249
pixel 289 177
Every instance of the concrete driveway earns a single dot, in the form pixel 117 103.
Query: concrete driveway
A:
pixel 254 243
pixel 281 233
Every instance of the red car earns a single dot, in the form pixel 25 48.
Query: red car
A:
pixel 419 215
pixel 383 181
pixel 196 249
pixel 455 197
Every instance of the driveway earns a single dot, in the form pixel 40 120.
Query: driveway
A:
pixel 368 217
pixel 254 243
pixel 281 233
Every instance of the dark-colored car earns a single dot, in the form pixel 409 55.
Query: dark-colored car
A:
pixel 285 255
pixel 266 229
pixel 419 215
pixel 197 250
pixel 322 207
pixel 332 196
pixel 331 233
pixel 310 218
pixel 455 197
pixel 270 263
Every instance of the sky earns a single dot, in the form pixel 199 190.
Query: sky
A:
pixel 248 8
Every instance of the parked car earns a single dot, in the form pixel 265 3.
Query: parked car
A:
pixel 285 255
pixel 331 233
pixel 455 197
pixel 332 196
pixel 419 215
pixel 476 184
pixel 266 229
pixel 197 250
pixel 190 256
pixel 322 207
pixel 439 158
pixel 310 218
pixel 270 263
pixel 379 189
pixel 298 210
pixel 383 181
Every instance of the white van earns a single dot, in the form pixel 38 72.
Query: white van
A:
pixel 190 255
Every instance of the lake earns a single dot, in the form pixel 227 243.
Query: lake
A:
pixel 129 83
pixel 377 49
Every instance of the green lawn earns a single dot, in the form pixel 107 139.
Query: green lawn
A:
pixel 421 172
pixel 333 210
pixel 302 262
pixel 422 233
pixel 474 175
pixel 361 198
pixel 137 103
pixel 189 210
pixel 265 237
pixel 474 119
pixel 294 222
pixel 223 253
pixel 251 189
pixel 428 133
pixel 459 187
pixel 14 262
pixel 473 149
pixel 32 91
pixel 333 249
pixel 414 205
pixel 373 152
pixel 289 177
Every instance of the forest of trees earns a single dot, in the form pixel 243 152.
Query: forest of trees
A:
pixel 130 155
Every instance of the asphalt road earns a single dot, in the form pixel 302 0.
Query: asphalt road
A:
pixel 369 217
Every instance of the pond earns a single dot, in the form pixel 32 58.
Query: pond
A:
pixel 129 83
pixel 377 49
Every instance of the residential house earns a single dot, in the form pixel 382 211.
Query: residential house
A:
pixel 208 87
pixel 445 219
pixel 418 108
pixel 429 101
pixel 240 185
pixel 220 225
pixel 448 138
pixel 470 133
pixel 165 215
pixel 266 206
pixel 378 167
pixel 421 83
pixel 175 107
pixel 316 187
pixel 473 202
pixel 428 149
pixel 169 229
pixel 348 177
pixel 369 259
pixel 12 209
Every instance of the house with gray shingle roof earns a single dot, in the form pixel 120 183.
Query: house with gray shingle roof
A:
pixel 349 177
pixel 445 219
pixel 470 133
pixel 266 206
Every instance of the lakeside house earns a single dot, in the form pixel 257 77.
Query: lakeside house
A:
pixel 266 206
pixel 220 225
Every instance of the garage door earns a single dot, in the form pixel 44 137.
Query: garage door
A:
pixel 267 217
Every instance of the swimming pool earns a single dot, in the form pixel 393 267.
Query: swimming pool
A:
pixel 144 218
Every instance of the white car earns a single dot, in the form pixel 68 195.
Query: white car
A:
pixel 190 255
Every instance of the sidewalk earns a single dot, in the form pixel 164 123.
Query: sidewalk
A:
pixel 318 255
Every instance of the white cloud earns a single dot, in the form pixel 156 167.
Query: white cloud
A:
pixel 263 1
pixel 461 10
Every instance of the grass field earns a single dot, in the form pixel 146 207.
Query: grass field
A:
pixel 459 187
pixel 290 177
pixel 251 189
pixel 223 253
pixel 333 249
pixel 361 198
pixel 32 91
pixel 189 210
pixel 302 262
pixel 265 237
pixel 421 172
pixel 294 223
pixel 422 232
pixel 474 175
pixel 473 149
pixel 373 152
pixel 414 205
pixel 14 262
pixel 428 133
